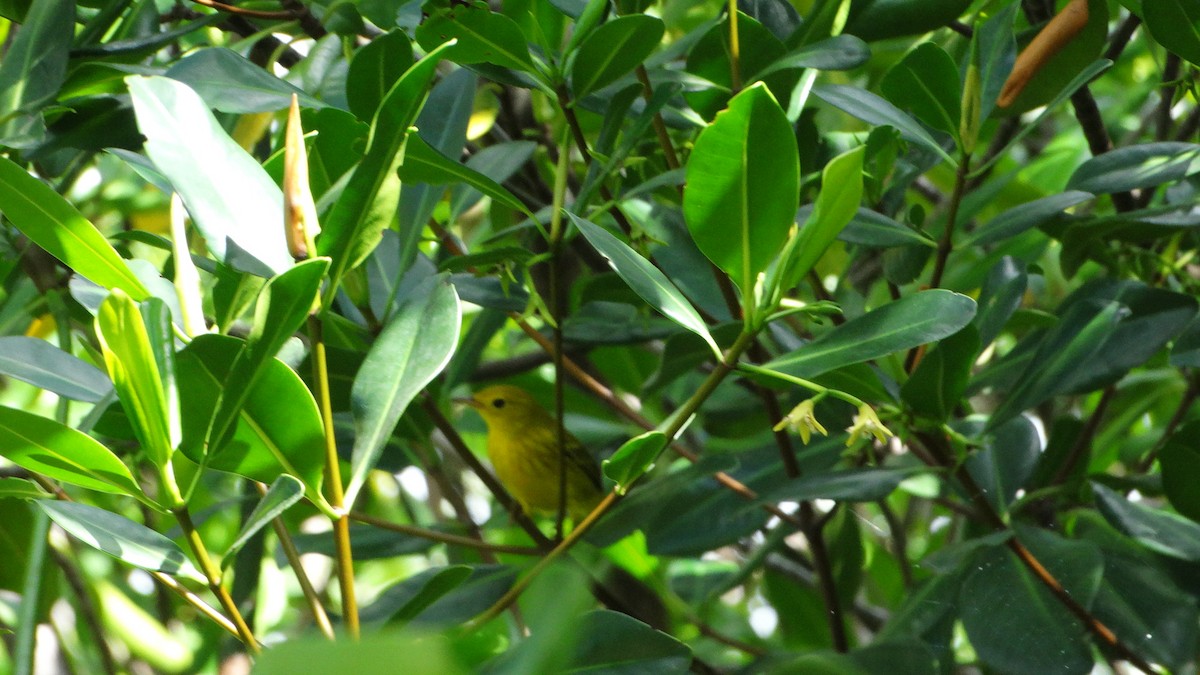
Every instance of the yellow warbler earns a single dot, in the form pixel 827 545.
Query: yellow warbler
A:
pixel 523 446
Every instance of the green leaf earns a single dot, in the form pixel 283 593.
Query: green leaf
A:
pixel 374 654
pixel 876 111
pixel 374 69
pixel 1006 462
pixel 54 224
pixel 868 484
pixel 837 204
pixel 277 431
pixel 33 69
pixel 1175 24
pixel 935 387
pixel 611 642
pixel 909 322
pixel 926 83
pixel 1018 219
pixel 634 458
pixel 1001 295
pixel 403 601
pixel 1139 600
pixel 123 539
pixel 1180 461
pixel 230 83
pixel 612 50
pixel 709 61
pixel 62 453
pixel 1078 337
pixel 841 52
pixel 1160 531
pixel 1003 605
pixel 139 351
pixel 283 305
pixel 742 186
pixel 1136 166
pixel 496 163
pixel 423 164
pixel 483 37
pixel 873 229
pixel 16 488
pixel 239 209
pixel 644 278
pixel 368 203
pixel 43 365
pixel 285 491
pixel 412 349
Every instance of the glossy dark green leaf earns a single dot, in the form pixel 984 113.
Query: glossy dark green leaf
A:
pixel 645 279
pixel 33 69
pixel 368 203
pixel 841 52
pixel 125 540
pixel 616 643
pixel 634 458
pixel 423 164
pixel 374 69
pixel 483 37
pixel 926 83
pixel 230 83
pixel 1078 337
pixel 1180 461
pixel 613 50
pixel 867 484
pixel 62 453
pixel 1175 24
pixel 742 180
pixel 43 365
pixel 1138 599
pixel 873 229
pixel 709 60
pixel 139 353
pixel 877 111
pixel 934 388
pixel 1160 531
pixel 51 222
pixel 884 19
pixel 412 349
pixel 1000 296
pixel 285 491
pixel 836 205
pixel 1003 605
pixel 1018 219
pixel 1136 166
pixel 277 431
pixel 238 210
pixel 909 322
pixel 405 600
pixel 1007 460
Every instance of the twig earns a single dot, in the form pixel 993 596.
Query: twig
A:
pixel 1084 441
pixel 253 13
pixel 1185 404
pixel 443 537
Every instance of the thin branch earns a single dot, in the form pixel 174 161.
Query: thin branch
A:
pixel 1084 442
pixel 252 13
pixel 1185 404
pixel 936 446
pixel 443 537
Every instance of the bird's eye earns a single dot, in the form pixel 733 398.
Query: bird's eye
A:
pixel 498 403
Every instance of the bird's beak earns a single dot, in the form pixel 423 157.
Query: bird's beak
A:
pixel 469 401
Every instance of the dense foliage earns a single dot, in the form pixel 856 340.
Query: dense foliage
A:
pixel 880 314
